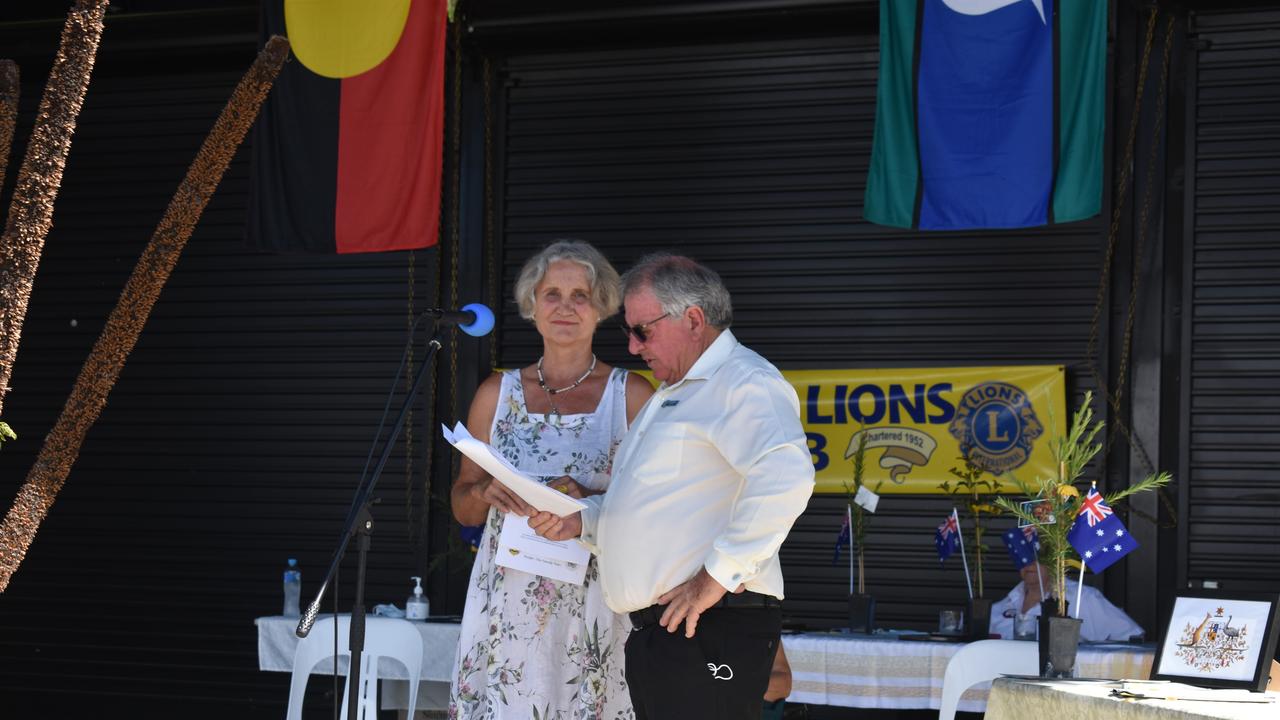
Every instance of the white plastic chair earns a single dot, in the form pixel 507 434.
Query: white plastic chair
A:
pixel 984 660
pixel 383 637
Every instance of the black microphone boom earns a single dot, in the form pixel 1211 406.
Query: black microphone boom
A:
pixel 474 319
pixel 452 317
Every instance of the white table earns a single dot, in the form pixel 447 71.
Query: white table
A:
pixel 883 671
pixel 277 643
pixel 1019 700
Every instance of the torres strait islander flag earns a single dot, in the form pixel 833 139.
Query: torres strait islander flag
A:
pixel 347 148
pixel 989 113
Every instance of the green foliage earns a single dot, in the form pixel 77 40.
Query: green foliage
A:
pixel 860 519
pixel 6 433
pixel 1060 498
pixel 978 497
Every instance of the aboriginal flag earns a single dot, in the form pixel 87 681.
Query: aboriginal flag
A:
pixel 989 113
pixel 347 148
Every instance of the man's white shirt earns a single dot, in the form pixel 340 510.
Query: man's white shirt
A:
pixel 713 473
pixel 1102 621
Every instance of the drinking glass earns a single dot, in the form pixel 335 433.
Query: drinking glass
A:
pixel 950 621
pixel 1024 627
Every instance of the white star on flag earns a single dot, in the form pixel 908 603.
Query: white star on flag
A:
pixel 1117 547
pixel 1119 533
pixel 1088 554
pixel 1100 533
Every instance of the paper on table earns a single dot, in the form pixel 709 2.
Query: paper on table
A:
pixel 1181 691
pixel 531 491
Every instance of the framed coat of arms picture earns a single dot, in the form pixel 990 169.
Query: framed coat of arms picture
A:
pixel 1219 640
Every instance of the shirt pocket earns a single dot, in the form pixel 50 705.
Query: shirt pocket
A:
pixel 660 452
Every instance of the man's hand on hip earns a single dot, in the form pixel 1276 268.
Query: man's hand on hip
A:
pixel 554 527
pixel 688 600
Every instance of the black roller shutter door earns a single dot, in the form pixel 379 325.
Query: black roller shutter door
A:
pixel 1232 318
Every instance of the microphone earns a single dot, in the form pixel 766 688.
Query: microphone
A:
pixel 475 319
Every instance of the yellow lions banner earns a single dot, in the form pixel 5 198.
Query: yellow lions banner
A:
pixel 920 423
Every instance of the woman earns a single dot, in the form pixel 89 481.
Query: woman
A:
pixel 533 647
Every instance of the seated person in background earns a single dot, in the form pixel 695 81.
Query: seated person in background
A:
pixel 775 696
pixel 1103 622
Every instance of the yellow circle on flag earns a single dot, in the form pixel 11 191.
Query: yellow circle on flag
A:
pixel 343 38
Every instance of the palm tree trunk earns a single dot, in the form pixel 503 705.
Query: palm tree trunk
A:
pixel 31 208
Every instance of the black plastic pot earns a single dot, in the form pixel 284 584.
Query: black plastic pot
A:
pixel 862 613
pixel 1059 640
pixel 979 619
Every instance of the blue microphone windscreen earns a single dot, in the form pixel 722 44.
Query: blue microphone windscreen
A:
pixel 484 320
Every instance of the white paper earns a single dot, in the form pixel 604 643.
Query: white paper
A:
pixel 531 491
pixel 520 548
pixel 517 534
pixel 866 499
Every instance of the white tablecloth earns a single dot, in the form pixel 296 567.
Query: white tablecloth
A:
pixel 277 643
pixel 882 671
pixel 1017 700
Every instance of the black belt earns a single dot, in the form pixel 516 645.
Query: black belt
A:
pixel 641 619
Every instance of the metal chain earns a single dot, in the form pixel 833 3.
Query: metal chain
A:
pixel 1122 185
pixel 433 380
pixel 413 525
pixel 455 151
pixel 1126 345
pixel 1122 188
pixel 490 248
pixel 1134 442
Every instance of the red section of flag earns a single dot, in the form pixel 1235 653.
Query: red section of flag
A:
pixel 1094 508
pixel 390 132
pixel 949 526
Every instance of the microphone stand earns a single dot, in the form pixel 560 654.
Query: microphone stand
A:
pixel 360 524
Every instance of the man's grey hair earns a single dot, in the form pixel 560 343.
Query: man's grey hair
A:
pixel 606 288
pixel 679 283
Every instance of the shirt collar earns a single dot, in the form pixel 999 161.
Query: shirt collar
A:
pixel 711 359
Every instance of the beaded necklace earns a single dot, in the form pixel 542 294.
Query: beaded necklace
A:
pixel 550 391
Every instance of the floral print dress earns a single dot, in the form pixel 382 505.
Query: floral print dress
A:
pixel 533 648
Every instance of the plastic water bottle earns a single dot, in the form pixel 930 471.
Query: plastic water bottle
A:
pixel 292 589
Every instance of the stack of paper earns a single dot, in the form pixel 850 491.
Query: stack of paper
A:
pixel 518 546
pixel 531 491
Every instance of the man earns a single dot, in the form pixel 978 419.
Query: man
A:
pixel 1102 621
pixel 706 485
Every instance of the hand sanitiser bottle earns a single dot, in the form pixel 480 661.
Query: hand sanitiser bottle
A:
pixel 292 589
pixel 417 607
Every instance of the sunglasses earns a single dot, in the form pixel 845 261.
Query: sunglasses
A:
pixel 640 331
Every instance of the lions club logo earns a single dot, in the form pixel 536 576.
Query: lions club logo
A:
pixel 996 426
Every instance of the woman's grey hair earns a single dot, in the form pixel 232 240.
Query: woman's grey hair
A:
pixel 606 288
pixel 679 283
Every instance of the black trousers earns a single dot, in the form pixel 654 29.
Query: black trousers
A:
pixel 721 673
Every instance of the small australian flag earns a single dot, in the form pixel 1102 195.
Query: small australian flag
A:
pixel 947 538
pixel 1023 544
pixel 1099 535
pixel 844 538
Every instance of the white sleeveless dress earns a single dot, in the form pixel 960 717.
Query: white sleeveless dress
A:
pixel 533 648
